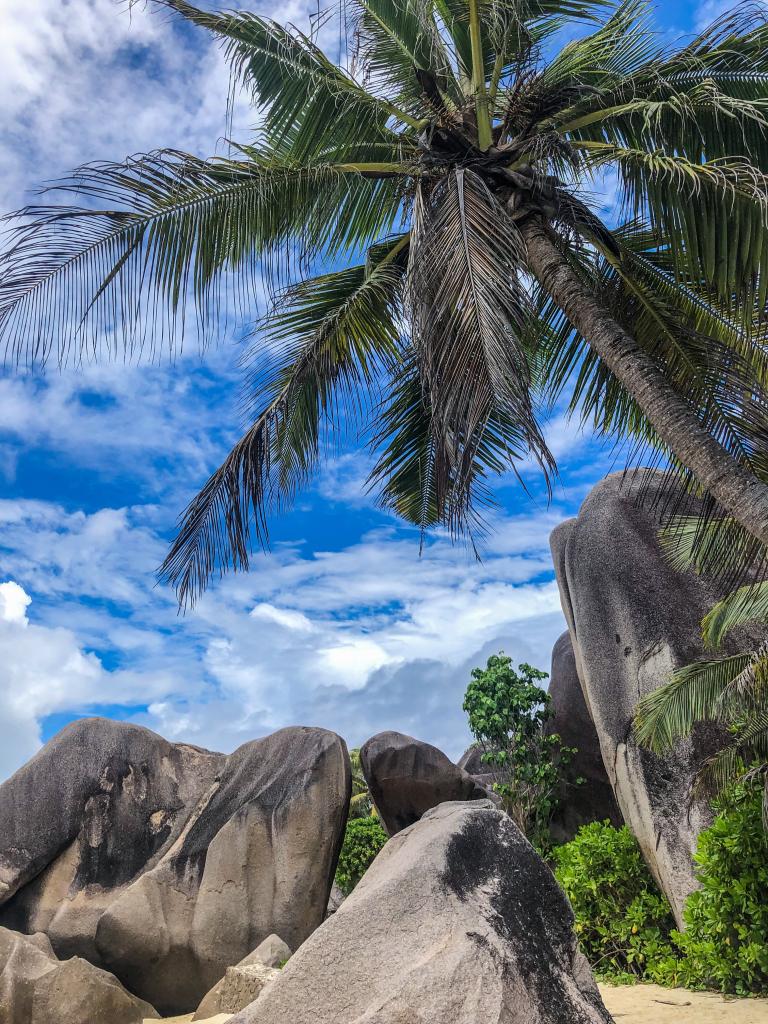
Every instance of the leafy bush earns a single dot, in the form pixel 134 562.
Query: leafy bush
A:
pixel 622 920
pixel 725 944
pixel 508 715
pixel 363 839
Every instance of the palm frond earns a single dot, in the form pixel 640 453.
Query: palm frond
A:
pixel 404 55
pixel 749 746
pixel 619 48
pixel 468 310
pixel 703 101
pixel 307 100
pixel 688 202
pixel 173 226
pixel 747 604
pixel 414 475
pixel 747 692
pixel 342 331
pixel 670 713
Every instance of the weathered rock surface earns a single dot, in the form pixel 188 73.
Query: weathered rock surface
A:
pixel 458 921
pixel 272 952
pixel 165 863
pixel 36 988
pixel 335 900
pixel 407 777
pixel 98 805
pixel 633 620
pixel 594 800
pixel 471 761
pixel 239 987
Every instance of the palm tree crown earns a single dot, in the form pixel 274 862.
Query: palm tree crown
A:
pixel 440 175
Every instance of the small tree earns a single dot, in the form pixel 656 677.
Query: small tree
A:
pixel 508 715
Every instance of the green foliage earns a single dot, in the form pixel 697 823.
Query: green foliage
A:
pixel 363 839
pixel 725 943
pixel 508 715
pixel 361 804
pixel 622 920
pixel 731 690
pixel 625 925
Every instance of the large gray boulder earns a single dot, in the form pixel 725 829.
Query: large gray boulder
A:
pixel 457 921
pixel 166 864
pixel 633 619
pixel 407 777
pixel 37 988
pixel 594 799
pixel 101 803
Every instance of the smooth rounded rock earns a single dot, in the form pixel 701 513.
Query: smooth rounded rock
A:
pixel 407 777
pixel 593 800
pixel 457 921
pixel 37 988
pixel 165 863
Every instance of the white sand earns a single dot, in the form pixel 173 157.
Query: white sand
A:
pixel 643 1004
pixel 649 1004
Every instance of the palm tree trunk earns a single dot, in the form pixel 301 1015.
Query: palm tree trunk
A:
pixel 740 493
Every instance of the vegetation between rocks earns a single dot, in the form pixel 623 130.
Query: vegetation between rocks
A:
pixel 508 717
pixel 363 839
pixel 625 924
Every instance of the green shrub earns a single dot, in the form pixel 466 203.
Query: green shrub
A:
pixel 363 839
pixel 725 943
pixel 622 920
pixel 509 715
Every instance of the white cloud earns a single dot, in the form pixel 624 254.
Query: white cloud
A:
pixel 367 637
pixel 283 617
pixel 44 670
pixel 14 601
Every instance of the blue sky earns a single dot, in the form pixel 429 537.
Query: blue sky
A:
pixel 342 624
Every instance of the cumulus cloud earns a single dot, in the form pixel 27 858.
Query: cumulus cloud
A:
pixel 45 670
pixel 365 637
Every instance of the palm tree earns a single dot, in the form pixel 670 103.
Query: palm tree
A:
pixel 449 151
pixel 730 691
pixel 361 801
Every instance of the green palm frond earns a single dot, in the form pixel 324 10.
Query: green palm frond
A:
pixel 690 334
pixel 404 54
pixel 747 692
pixel 618 49
pixel 308 102
pixel 731 762
pixel 172 227
pixel 747 604
pixel 341 329
pixel 727 190
pixel 731 52
pixel 669 713
pixel 705 544
pixel 704 101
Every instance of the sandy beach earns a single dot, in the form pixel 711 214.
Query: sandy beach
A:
pixel 649 1004
pixel 645 1004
